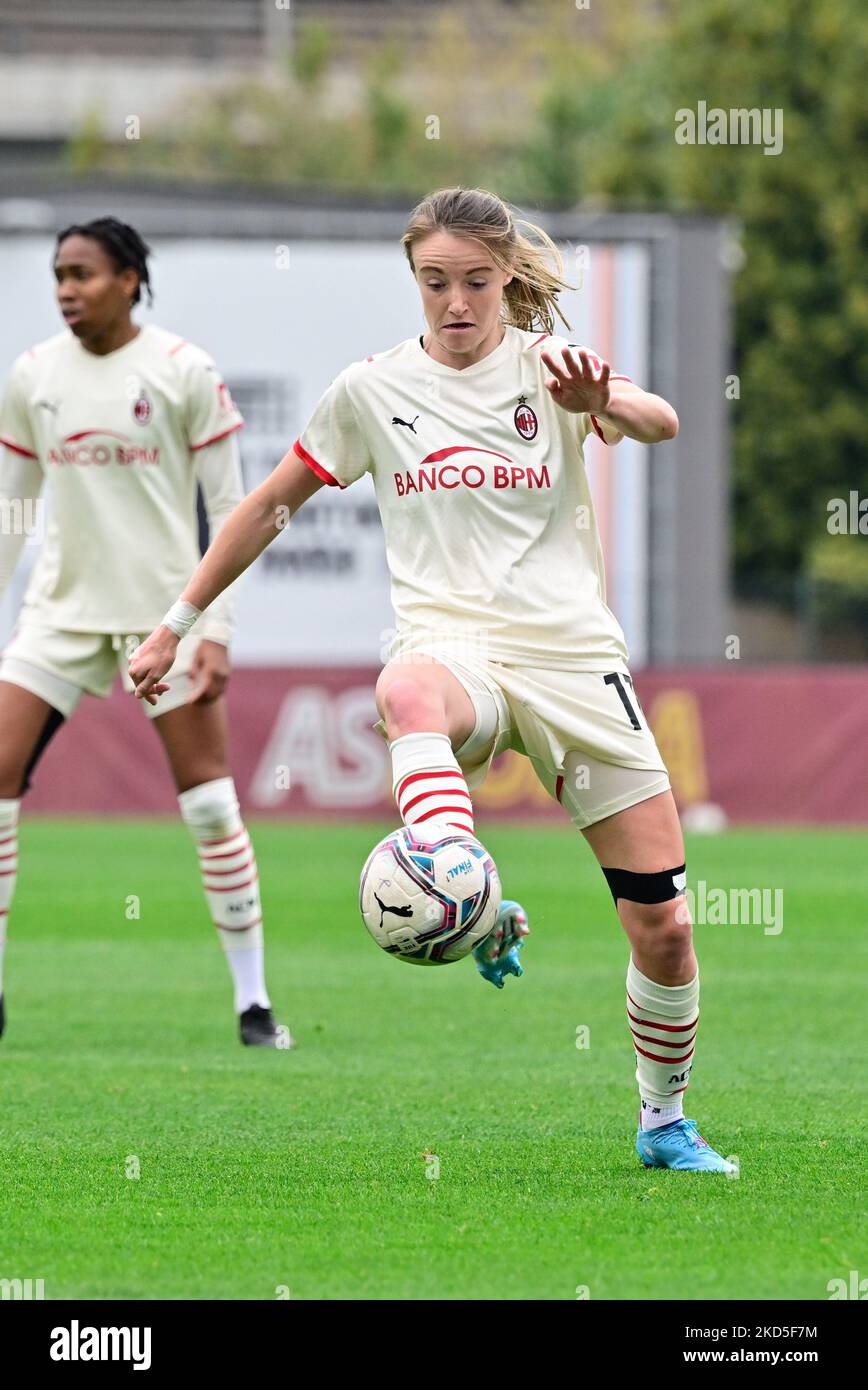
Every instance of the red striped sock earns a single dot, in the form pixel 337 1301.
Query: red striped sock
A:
pixel 663 1021
pixel 429 786
pixel 231 882
pixel 8 866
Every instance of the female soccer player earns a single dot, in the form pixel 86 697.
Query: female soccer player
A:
pixel 473 435
pixel 124 420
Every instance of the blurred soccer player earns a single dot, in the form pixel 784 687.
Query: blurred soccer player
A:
pixel 124 420
pixel 473 434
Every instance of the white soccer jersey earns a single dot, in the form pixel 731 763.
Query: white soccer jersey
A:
pixel 490 533
pixel 122 440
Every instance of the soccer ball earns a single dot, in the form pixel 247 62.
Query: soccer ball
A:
pixel 429 902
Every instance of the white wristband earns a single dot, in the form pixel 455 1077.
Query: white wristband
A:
pixel 181 617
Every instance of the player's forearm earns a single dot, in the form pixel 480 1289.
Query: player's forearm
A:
pixel 640 415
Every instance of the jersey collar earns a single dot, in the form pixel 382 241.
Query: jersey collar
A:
pixel 494 358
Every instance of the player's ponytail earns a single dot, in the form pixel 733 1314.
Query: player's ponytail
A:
pixel 530 299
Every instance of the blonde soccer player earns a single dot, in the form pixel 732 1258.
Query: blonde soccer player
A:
pixel 122 421
pixel 473 435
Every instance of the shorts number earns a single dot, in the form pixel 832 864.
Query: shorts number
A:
pixel 615 679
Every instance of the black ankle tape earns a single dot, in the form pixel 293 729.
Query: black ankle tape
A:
pixel 646 888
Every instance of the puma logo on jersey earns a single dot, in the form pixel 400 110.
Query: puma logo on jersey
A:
pixel 408 424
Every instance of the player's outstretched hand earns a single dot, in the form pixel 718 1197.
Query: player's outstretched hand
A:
pixel 150 662
pixel 575 384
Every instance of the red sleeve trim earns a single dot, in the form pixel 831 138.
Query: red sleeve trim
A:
pixel 17 449
pixel 599 431
pixel 322 473
pixel 536 342
pixel 618 376
pixel 215 437
pixel 177 347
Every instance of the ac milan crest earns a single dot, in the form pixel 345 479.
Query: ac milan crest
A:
pixel 142 409
pixel 525 420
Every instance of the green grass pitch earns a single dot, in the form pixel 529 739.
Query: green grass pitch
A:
pixel 304 1171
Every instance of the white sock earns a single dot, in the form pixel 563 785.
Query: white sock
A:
pixel 663 1021
pixel 8 867
pixel 429 786
pixel 231 883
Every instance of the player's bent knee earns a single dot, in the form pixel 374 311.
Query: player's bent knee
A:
pixel 662 932
pixel 648 890
pixel 654 910
pixel 407 705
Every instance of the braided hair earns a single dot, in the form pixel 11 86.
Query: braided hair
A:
pixel 122 243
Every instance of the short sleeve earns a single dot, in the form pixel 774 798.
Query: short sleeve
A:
pixel 15 428
pixel 589 424
pixel 211 413
pixel 332 443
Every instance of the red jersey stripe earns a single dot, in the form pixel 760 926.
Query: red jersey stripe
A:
pixel 239 425
pixel 17 449
pixel 322 473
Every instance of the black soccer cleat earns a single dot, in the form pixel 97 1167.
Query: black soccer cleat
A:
pixel 258 1028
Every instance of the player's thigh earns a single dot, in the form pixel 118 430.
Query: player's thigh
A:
pixel 422 695
pixel 25 719
pixel 644 838
pixel 196 740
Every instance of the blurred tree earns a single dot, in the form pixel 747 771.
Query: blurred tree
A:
pixel 801 297
pixel 390 117
pixel 310 54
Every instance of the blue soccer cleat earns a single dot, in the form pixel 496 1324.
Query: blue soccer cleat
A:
pixel 680 1145
pixel 497 956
